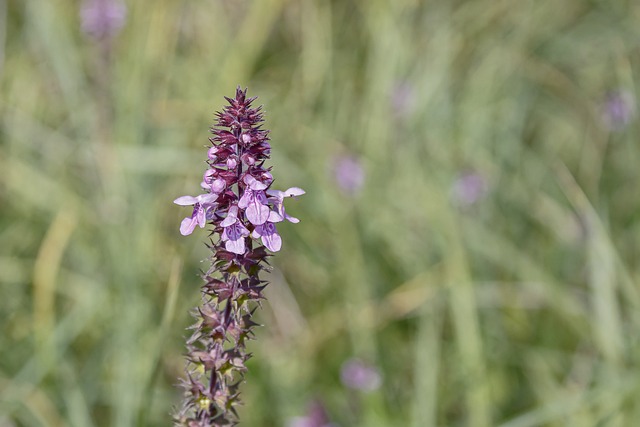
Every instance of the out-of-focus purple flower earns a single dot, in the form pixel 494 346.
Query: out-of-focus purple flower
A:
pixel 202 204
pixel 349 174
pixel 359 375
pixel 316 417
pixel 468 188
pixel 403 99
pixel 618 109
pixel 102 19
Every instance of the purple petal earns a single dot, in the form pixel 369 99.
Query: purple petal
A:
pixel 274 217
pixel 257 213
pixel 291 218
pixel 253 183
pixel 236 231
pixel 293 192
pixel 276 193
pixel 218 185
pixel 273 242
pixel 208 176
pixel 269 236
pixel 185 201
pixel 235 246
pixel 245 199
pixel 231 218
pixel 232 163
pixel 187 226
pixel 207 199
pixel 234 238
pixel 200 214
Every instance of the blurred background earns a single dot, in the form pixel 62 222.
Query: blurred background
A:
pixel 468 247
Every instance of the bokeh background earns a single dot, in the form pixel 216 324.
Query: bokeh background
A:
pixel 469 241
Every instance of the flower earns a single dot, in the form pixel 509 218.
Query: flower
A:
pixel 235 203
pixel 316 416
pixel 359 375
pixel 202 204
pixel 618 109
pixel 349 174
pixel 277 198
pixel 468 188
pixel 234 232
pixel 403 99
pixel 102 19
pixel 268 234
pixel 254 201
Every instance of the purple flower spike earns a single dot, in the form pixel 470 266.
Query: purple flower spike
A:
pixel 236 205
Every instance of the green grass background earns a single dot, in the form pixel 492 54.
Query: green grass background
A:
pixel 521 310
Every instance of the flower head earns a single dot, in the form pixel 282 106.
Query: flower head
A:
pixel 349 174
pixel 242 209
pixel 102 19
pixel 359 375
pixel 469 188
pixel 618 109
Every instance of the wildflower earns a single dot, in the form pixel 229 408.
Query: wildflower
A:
pixel 359 375
pixel 468 189
pixel 242 210
pixel 254 201
pixel 268 233
pixel 102 19
pixel 316 416
pixel 403 100
pixel 234 232
pixel 277 198
pixel 349 174
pixel 618 110
pixel 202 204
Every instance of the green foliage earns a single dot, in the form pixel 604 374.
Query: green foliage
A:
pixel 518 309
